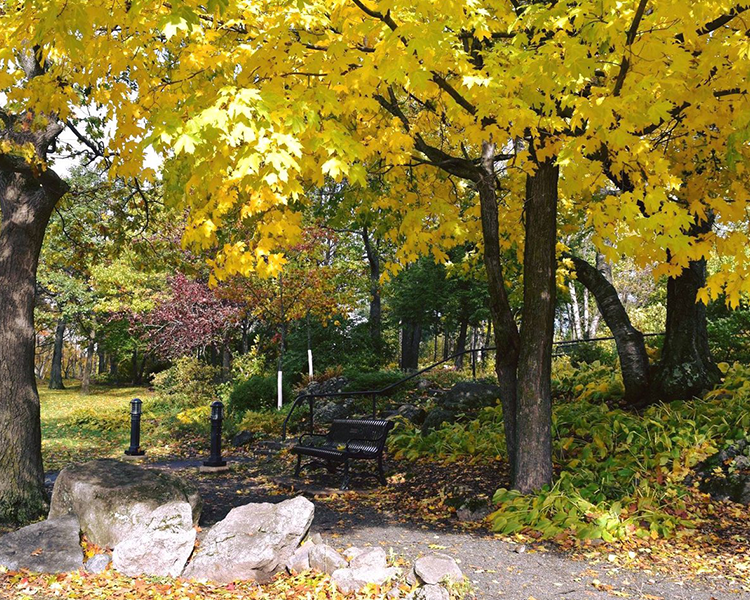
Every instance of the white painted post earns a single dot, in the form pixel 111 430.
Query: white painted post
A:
pixel 280 394
pixel 309 363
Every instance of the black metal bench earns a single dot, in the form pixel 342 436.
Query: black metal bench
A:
pixel 347 439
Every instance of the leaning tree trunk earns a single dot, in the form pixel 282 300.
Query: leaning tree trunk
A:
pixel 56 374
pixel 26 203
pixel 631 348
pixel 534 410
pixel 507 339
pixel 411 337
pixel 686 368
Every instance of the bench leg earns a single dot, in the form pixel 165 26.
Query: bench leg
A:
pixel 345 482
pixel 299 465
pixel 381 473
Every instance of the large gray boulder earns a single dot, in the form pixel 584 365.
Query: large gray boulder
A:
pixel 113 500
pixel 162 547
pixel 51 546
pixel 252 542
pixel 469 396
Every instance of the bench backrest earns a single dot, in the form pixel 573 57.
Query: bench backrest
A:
pixel 373 431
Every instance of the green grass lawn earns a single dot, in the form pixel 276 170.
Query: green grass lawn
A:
pixel 78 428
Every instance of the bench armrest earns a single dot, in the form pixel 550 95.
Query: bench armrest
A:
pixel 309 435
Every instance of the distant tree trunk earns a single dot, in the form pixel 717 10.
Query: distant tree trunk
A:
pixel 27 198
pixel 575 311
pixel 88 366
pixel 376 313
pixel 446 345
pixel 113 374
pixel 631 348
pixel 411 336
pixel 686 368
pixel 56 374
pixel 461 342
pixel 134 367
pixel 226 362
pixel 102 366
pixel 534 410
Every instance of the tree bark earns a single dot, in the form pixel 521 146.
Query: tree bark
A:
pixel 26 203
pixel 102 366
pixel 113 374
pixel 411 336
pixel 56 375
pixel 507 339
pixel 88 365
pixel 686 368
pixel 376 312
pixel 461 342
pixel 631 348
pixel 534 413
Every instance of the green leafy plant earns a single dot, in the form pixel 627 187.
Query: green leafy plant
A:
pixel 620 473
pixel 188 383
pixel 256 393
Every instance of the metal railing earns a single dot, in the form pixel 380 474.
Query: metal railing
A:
pixel 310 398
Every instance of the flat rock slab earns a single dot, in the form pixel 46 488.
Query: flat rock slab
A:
pixel 114 500
pixel 51 546
pixel 436 568
pixel 252 542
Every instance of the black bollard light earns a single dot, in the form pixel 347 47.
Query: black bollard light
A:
pixel 136 407
pixel 217 416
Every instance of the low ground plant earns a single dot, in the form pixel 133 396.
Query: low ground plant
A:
pixel 618 473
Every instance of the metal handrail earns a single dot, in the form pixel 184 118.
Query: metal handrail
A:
pixel 311 397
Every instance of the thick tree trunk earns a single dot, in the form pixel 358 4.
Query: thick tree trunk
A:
pixel 461 342
pixel 507 339
pixel 25 208
pixel 411 336
pixel 446 345
pixel 686 368
pixel 56 374
pixel 88 365
pixel 631 348
pixel 376 312
pixel 534 416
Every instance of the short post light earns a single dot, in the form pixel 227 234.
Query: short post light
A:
pixel 136 409
pixel 217 417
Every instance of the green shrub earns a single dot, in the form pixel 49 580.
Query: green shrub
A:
pixel 256 393
pixel 262 422
pixel 100 421
pixel 621 473
pixel 595 381
pixel 188 383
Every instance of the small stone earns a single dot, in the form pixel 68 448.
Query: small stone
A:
pixel 519 548
pixel 431 592
pixel 371 558
pixel 394 593
pixel 353 580
pixel 316 538
pixel 434 568
pixel 51 546
pixel 98 563
pixel 243 438
pixel 468 515
pixel 411 577
pixel 300 560
pixel 325 559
